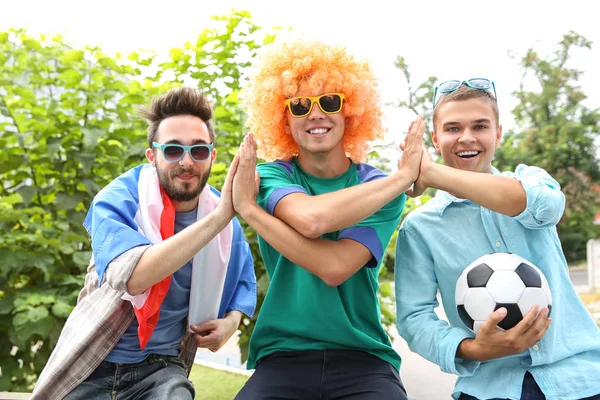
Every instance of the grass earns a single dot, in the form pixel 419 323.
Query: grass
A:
pixel 588 298
pixel 592 303
pixel 214 384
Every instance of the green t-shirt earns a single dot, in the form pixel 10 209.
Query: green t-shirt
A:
pixel 300 311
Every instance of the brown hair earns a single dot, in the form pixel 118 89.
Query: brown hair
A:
pixel 466 93
pixel 179 101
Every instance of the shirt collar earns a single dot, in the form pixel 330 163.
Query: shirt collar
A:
pixel 444 199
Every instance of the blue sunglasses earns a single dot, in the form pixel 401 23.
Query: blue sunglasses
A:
pixel 175 152
pixel 473 83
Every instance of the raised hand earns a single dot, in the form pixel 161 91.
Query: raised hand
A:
pixel 492 342
pixel 226 201
pixel 412 148
pixel 246 180
pixel 420 184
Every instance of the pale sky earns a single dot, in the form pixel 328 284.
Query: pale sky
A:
pixel 449 39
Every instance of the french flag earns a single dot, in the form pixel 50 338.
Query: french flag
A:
pixel 132 211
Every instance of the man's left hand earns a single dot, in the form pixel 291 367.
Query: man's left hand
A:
pixel 215 333
pixel 246 181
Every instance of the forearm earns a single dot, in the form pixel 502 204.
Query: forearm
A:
pixel 318 256
pixel 433 338
pixel 358 203
pixel 235 317
pixel 163 259
pixel 468 350
pixel 497 193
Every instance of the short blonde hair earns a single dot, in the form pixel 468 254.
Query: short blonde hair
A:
pixel 311 65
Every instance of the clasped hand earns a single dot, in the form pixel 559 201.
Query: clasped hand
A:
pixel 415 156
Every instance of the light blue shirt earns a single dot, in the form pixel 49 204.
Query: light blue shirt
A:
pixel 438 240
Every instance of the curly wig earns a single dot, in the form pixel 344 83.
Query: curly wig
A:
pixel 314 66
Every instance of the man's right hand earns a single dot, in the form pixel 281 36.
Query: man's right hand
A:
pixel 225 206
pixel 492 342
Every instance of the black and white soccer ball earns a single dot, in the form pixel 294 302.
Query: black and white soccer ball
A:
pixel 500 280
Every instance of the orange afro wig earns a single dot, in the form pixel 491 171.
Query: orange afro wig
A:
pixel 312 66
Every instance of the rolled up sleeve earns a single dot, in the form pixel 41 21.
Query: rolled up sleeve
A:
pixel 545 200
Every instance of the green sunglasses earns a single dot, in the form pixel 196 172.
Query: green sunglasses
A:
pixel 175 152
pixel 473 83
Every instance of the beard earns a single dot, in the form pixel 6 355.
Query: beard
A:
pixel 189 191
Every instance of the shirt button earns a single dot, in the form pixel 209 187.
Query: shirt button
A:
pixel 498 244
pixel 536 347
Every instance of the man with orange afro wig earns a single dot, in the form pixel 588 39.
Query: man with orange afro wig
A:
pixel 324 220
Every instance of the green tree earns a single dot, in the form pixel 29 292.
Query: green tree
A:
pixel 418 99
pixel 554 130
pixel 68 126
pixel 557 132
pixel 65 131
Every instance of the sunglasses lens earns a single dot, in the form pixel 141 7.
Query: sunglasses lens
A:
pixel 449 86
pixel 330 103
pixel 172 153
pixel 200 153
pixel 300 106
pixel 480 83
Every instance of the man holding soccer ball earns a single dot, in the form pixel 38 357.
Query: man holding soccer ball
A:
pixel 478 210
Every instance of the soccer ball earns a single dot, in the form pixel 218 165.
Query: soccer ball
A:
pixel 500 280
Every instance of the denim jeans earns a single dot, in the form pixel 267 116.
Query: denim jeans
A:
pixel 323 374
pixel 157 377
pixel 530 391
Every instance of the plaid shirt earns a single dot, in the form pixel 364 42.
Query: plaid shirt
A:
pixel 94 328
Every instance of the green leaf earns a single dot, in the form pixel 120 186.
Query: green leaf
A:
pixel 69 280
pixel 34 299
pixel 21 334
pixel 73 55
pixel 12 199
pixel 62 309
pixel 6 305
pixel 91 137
pixel 386 289
pixel 66 201
pixel 33 314
pixel 221 112
pixel 71 77
pixel 86 160
pixel 82 258
pixel 5 382
pixel 10 366
pixel 27 193
pixel 3 37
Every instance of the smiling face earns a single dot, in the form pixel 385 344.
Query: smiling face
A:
pixel 466 134
pixel 183 180
pixel 317 134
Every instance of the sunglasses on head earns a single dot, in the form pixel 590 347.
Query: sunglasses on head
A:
pixel 329 103
pixel 175 152
pixel 473 83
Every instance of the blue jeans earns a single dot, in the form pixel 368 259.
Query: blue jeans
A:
pixel 530 391
pixel 157 377
pixel 323 374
